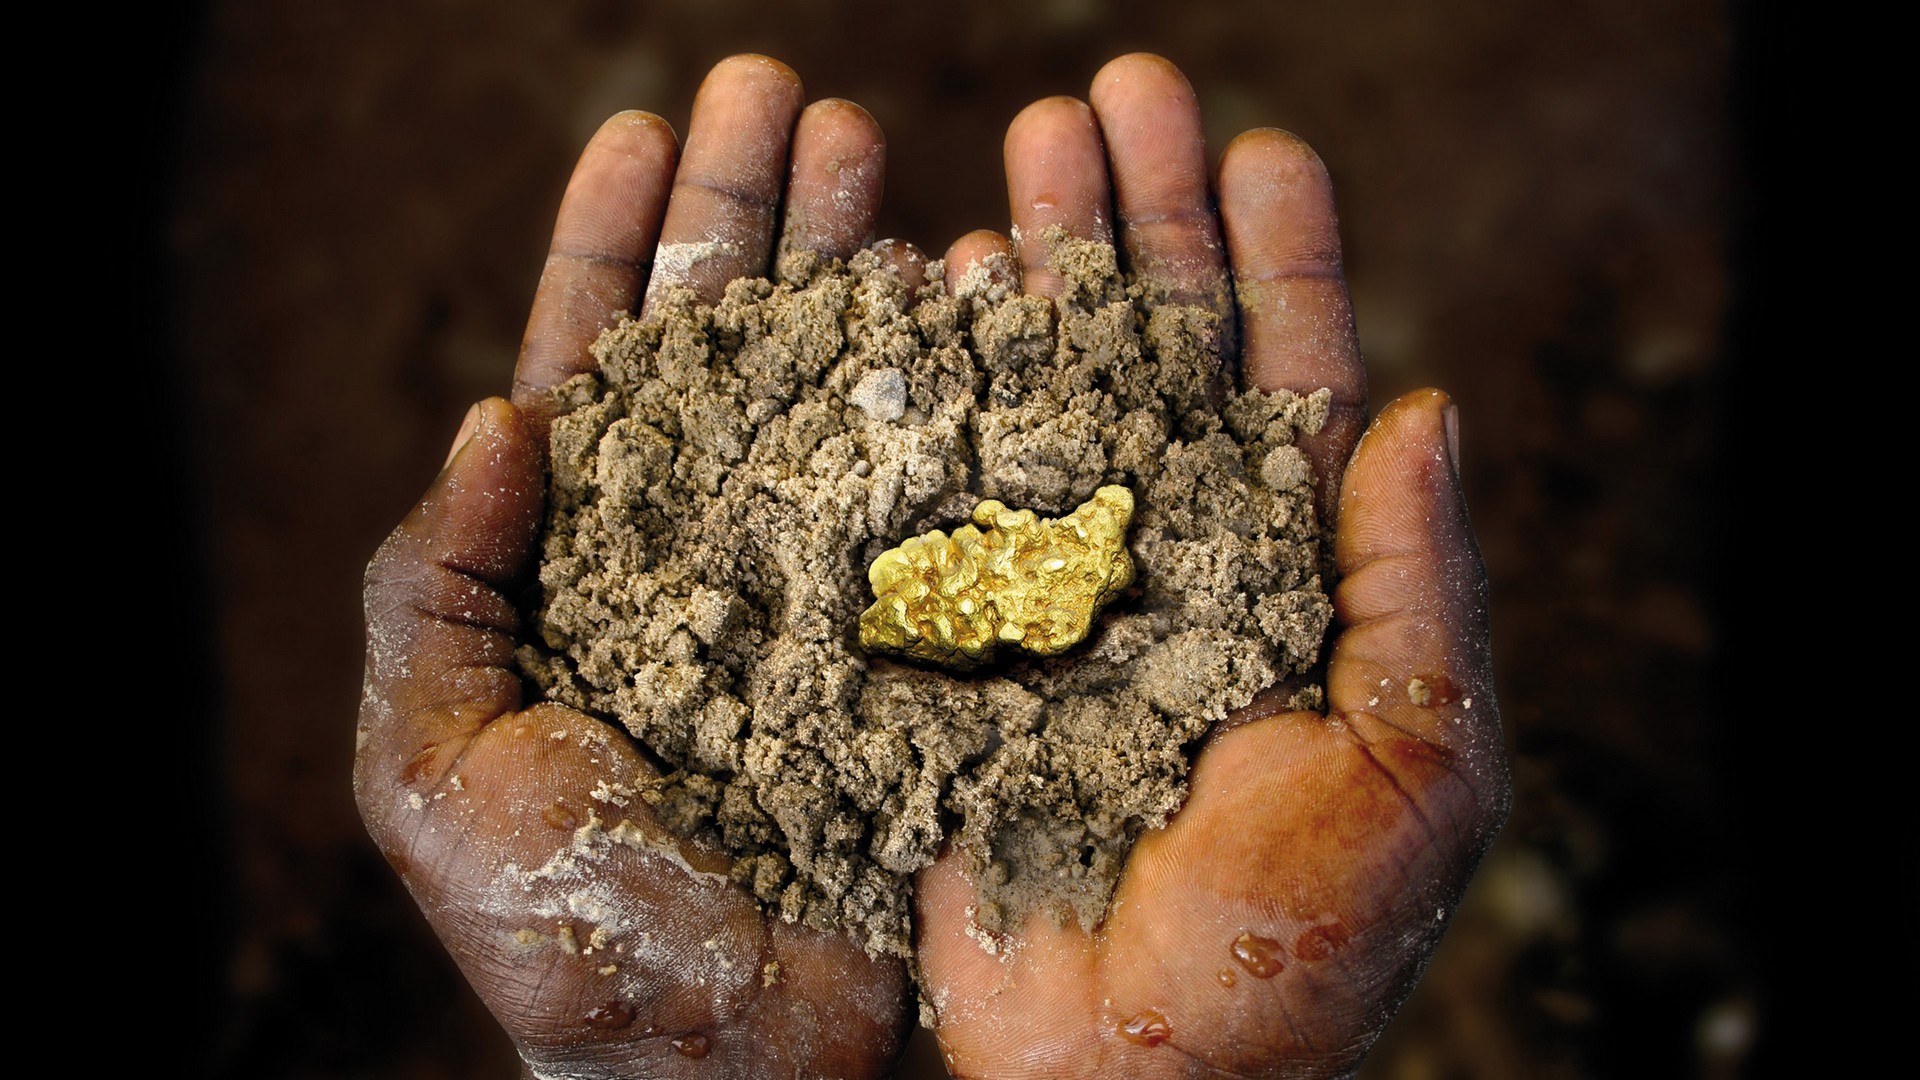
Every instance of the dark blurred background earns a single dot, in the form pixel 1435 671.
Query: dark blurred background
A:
pixel 1549 209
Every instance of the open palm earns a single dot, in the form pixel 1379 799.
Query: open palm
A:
pixel 1270 929
pixel 1280 918
pixel 605 946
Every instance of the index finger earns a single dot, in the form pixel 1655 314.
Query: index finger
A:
pixel 603 241
pixel 1296 319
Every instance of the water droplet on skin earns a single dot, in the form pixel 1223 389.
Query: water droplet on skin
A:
pixel 1226 978
pixel 1319 942
pixel 419 763
pixel 612 1016
pixel 1148 1029
pixel 1259 955
pixel 561 816
pixel 1440 690
pixel 693 1044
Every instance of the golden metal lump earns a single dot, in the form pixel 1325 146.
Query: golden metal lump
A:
pixel 1010 579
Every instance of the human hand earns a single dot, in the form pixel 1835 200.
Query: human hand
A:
pixel 1276 923
pixel 604 945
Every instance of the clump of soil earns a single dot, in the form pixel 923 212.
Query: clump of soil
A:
pixel 720 487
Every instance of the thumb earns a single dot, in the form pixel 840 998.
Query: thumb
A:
pixel 440 627
pixel 1413 649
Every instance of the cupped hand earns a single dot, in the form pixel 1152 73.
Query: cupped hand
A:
pixel 606 947
pixel 1276 923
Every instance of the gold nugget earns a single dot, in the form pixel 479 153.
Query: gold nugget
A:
pixel 1024 582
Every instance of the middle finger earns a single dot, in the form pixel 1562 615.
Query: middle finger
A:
pixel 726 195
pixel 1056 175
pixel 1150 119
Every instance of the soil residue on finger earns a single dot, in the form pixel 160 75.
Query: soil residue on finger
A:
pixel 721 486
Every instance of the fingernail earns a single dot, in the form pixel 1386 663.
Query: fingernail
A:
pixel 1451 420
pixel 467 427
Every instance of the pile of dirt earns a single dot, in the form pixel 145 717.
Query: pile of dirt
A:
pixel 720 487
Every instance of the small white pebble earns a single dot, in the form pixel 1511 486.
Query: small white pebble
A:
pixel 881 394
pixel 1418 692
